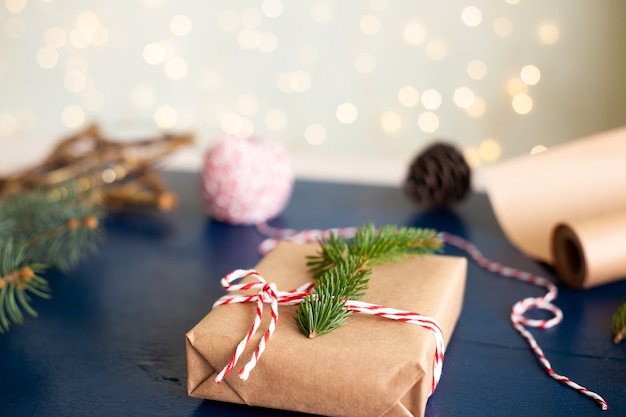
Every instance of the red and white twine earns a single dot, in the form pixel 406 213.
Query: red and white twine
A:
pixel 304 236
pixel 410 318
pixel 518 318
pixel 523 306
pixel 267 293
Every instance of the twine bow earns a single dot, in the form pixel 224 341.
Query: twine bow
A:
pixel 267 293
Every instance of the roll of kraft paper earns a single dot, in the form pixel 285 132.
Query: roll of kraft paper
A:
pixel 591 252
pixel 582 181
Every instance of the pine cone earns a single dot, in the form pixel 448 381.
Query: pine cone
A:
pixel 438 177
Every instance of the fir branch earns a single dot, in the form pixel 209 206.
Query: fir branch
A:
pixel 320 314
pixel 342 268
pixel 17 277
pixel 56 226
pixel 388 244
pixel 323 310
pixel 619 324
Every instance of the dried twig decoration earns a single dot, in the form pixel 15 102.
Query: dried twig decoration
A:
pixel 122 173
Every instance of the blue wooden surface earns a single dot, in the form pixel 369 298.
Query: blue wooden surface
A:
pixel 111 341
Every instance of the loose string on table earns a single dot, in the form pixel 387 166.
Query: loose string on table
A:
pixel 268 294
pixel 518 318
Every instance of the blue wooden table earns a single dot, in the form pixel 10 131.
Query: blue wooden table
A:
pixel 111 340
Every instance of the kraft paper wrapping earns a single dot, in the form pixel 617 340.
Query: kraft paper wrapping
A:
pixel 370 367
pixel 567 206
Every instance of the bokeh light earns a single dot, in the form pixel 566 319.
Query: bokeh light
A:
pixel 489 150
pixel 549 33
pixel 315 134
pixel 47 57
pixel 408 96
pixel 477 69
pixel 165 116
pixel 530 74
pixel 463 97
pixel 176 68
pixel 272 8
pixel 321 12
pixel 347 113
pixel 276 119
pixel 414 33
pixel 471 156
pixel 428 122
pixel 437 49
pixel 471 16
pixel 431 99
pixel 369 24
pixel 154 53
pixel 15 6
pixel 516 86
pixel 55 37
pixel 522 103
pixel 180 25
pixel 390 121
pixel 477 108
pixel 503 26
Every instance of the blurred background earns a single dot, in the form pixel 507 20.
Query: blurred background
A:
pixel 353 88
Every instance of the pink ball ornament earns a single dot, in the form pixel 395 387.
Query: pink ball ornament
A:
pixel 246 181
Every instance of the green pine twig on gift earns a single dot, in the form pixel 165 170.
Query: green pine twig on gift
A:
pixel 323 311
pixel 43 228
pixel 342 268
pixel 619 324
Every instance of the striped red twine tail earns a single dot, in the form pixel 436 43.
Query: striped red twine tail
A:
pixel 267 293
pixel 523 306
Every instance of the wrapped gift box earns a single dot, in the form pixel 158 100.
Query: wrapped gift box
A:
pixel 372 366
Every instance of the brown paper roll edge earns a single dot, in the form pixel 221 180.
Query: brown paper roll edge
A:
pixel 569 257
pixel 588 253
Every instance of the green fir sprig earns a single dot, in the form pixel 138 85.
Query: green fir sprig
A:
pixel 619 324
pixel 342 268
pixel 51 228
pixel 18 278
